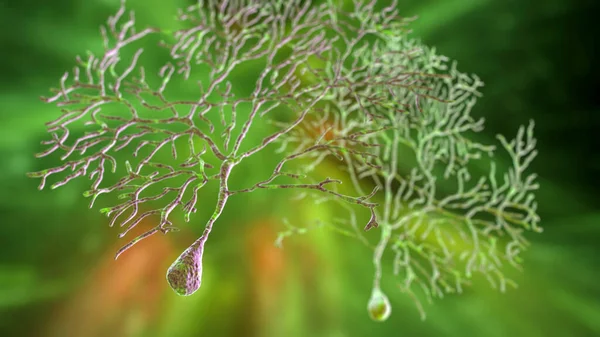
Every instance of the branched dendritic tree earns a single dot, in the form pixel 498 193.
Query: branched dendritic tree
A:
pixel 337 83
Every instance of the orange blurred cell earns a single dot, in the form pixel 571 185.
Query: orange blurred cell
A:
pixel 117 292
pixel 316 127
pixel 267 265
pixel 267 261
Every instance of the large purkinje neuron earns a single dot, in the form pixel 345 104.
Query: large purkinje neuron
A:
pixel 336 82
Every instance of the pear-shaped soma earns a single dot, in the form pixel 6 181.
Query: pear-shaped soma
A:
pixel 185 274
pixel 379 306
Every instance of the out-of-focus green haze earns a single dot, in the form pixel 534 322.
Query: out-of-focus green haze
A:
pixel 57 273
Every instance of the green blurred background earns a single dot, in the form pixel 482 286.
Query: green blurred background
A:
pixel 58 277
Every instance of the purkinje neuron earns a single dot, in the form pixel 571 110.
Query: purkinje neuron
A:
pixel 341 83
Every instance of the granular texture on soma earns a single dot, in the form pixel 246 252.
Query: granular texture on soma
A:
pixel 185 274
